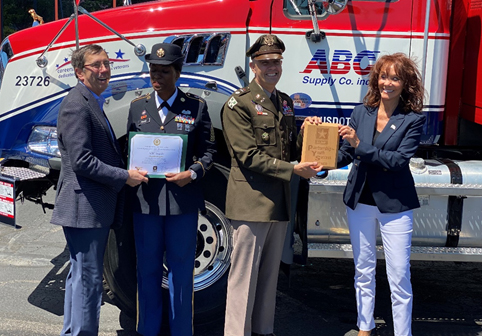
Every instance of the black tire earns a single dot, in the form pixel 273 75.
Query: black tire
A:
pixel 214 246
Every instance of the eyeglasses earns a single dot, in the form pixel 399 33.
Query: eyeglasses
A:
pixel 98 65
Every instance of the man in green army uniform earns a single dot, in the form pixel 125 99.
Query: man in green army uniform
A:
pixel 260 131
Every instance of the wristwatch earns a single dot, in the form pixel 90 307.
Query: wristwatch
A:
pixel 193 174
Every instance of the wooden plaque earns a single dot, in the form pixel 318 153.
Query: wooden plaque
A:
pixel 320 144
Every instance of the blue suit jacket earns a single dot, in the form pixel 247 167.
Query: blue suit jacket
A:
pixel 383 165
pixel 91 177
pixel 159 197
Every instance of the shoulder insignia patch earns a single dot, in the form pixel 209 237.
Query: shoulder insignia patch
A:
pixel 232 103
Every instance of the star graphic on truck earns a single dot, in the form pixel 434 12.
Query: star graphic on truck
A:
pixel 119 54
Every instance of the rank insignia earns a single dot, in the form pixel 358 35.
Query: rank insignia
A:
pixel 265 136
pixel 232 103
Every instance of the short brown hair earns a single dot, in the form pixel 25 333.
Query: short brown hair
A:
pixel 78 56
pixel 413 92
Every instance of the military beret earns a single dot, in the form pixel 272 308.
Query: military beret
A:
pixel 266 47
pixel 165 54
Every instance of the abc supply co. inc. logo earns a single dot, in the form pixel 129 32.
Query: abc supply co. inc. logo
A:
pixel 342 62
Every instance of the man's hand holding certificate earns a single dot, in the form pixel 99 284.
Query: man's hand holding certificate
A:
pixel 157 154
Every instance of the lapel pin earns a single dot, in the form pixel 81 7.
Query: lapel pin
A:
pixel 393 127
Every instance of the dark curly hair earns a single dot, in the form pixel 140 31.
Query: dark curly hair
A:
pixel 413 92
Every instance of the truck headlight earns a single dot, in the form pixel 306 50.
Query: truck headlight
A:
pixel 44 140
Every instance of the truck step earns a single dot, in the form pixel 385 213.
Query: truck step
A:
pixel 21 174
pixel 427 253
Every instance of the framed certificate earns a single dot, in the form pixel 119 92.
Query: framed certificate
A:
pixel 157 153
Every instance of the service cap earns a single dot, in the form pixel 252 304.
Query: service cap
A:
pixel 266 47
pixel 165 54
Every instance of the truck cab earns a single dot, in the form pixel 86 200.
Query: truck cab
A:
pixel 330 49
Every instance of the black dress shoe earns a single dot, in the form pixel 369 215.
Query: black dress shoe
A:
pixel 256 334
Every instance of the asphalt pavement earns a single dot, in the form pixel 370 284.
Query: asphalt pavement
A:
pixel 317 299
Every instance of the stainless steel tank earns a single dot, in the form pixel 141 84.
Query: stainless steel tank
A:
pixel 450 195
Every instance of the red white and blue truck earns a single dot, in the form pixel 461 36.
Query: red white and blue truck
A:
pixel 330 48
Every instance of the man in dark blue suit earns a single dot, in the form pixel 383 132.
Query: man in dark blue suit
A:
pixel 89 196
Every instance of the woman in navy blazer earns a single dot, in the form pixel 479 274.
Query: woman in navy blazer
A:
pixel 383 134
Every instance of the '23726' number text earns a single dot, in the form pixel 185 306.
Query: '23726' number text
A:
pixel 32 81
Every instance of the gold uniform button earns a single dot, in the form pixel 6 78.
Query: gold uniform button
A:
pixel 358 157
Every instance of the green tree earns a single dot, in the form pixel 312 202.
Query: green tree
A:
pixel 16 16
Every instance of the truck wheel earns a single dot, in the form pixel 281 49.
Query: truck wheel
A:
pixel 213 251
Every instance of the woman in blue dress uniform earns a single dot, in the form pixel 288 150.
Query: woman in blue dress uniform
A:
pixel 166 210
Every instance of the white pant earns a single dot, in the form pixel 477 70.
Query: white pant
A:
pixel 396 231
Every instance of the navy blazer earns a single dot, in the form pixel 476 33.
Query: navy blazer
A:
pixel 383 165
pixel 159 197
pixel 91 180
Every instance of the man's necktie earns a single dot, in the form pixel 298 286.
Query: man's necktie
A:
pixel 274 100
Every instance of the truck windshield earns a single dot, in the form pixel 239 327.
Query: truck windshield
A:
pixel 5 54
pixel 300 8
